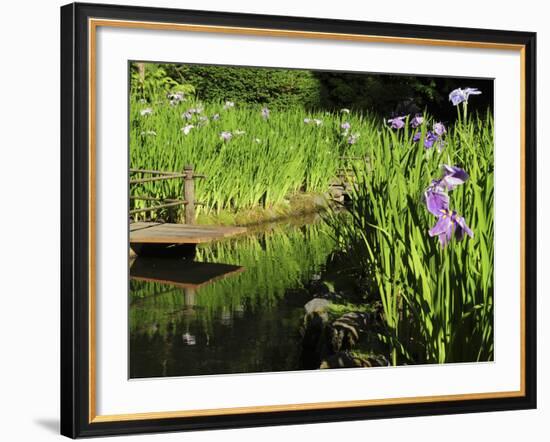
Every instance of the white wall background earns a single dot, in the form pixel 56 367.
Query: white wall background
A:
pixel 29 258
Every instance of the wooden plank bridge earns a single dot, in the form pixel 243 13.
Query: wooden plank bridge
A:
pixel 168 233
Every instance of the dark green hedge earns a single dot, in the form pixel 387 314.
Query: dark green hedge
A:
pixel 272 87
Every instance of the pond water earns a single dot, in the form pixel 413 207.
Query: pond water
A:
pixel 237 308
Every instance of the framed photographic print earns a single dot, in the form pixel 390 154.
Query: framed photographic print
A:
pixel 274 220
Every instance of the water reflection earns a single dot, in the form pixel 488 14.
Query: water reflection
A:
pixel 236 308
pixel 189 339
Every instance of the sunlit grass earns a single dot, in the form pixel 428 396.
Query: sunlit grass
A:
pixel 264 162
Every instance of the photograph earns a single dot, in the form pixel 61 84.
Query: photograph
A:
pixel 282 220
pixel 288 219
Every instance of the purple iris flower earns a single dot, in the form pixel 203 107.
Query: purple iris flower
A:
pixel 461 95
pixel 430 139
pixel 265 113
pixel 448 222
pixel 453 176
pixel 397 122
pixel 345 126
pixel 439 129
pixel 352 139
pixel 417 121
pixel 187 129
pixel 437 201
pixel 226 136
pixel 176 97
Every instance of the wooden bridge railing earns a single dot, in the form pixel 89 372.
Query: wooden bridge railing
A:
pixel 188 200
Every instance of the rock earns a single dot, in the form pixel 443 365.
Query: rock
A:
pixel 347 329
pixel 339 360
pixel 317 305
pixel 336 193
pixel 347 360
pixel 314 332
pixel 320 201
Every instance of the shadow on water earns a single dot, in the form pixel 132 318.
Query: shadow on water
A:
pixel 236 308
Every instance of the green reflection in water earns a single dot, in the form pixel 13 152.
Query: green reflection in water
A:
pixel 245 322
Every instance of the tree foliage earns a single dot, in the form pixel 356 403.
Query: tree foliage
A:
pixel 396 94
pixel 155 82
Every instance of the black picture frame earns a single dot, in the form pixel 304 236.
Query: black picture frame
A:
pixel 75 221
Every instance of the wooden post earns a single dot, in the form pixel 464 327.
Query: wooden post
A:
pixel 189 194
pixel 141 71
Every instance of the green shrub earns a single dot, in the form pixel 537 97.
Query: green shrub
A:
pixel 272 87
